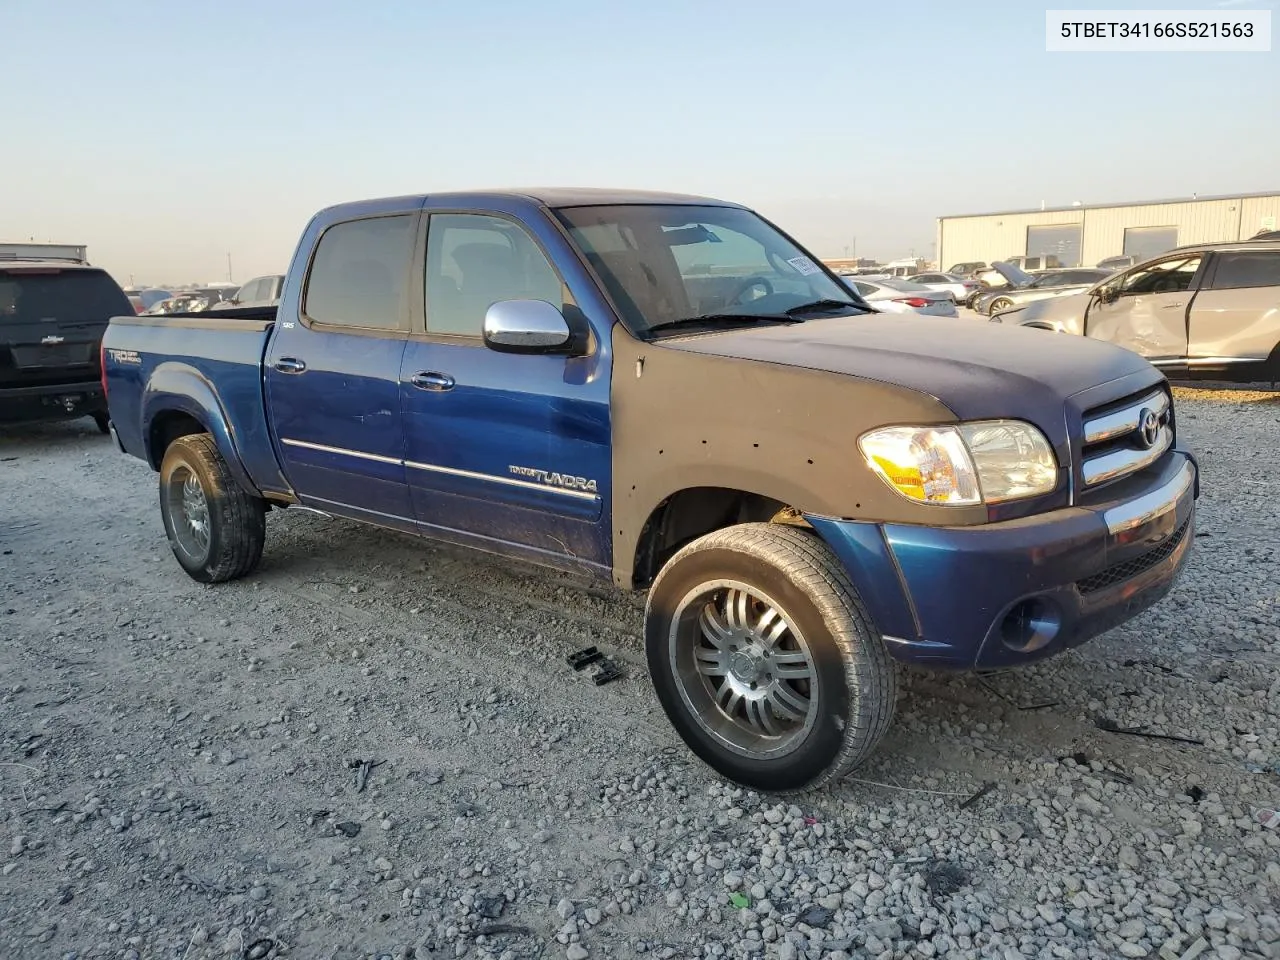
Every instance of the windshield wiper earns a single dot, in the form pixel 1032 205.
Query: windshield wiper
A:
pixel 712 318
pixel 825 304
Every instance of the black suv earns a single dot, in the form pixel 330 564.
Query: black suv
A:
pixel 52 317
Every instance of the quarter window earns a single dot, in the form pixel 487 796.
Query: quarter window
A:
pixel 1236 270
pixel 358 273
pixel 475 261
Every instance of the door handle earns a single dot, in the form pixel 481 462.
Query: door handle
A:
pixel 1171 306
pixel 430 380
pixel 289 365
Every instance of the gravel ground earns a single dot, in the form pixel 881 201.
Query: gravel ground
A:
pixel 374 748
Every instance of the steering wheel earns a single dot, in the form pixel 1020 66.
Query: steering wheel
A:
pixel 1165 285
pixel 749 284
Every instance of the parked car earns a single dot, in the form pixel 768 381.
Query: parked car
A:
pixel 969 269
pixel 136 302
pixel 147 296
pixel 52 317
pixel 892 295
pixel 1266 235
pixel 958 287
pixel 258 292
pixel 1207 311
pixel 177 303
pixel 669 394
pixel 213 298
pixel 1024 287
pixel 1113 264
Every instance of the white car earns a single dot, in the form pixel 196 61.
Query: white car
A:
pixel 958 287
pixel 892 295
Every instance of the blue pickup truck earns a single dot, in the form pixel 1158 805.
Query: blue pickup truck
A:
pixel 669 393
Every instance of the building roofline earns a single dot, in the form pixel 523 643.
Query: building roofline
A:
pixel 1107 206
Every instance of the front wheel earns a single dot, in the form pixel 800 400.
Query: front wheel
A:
pixel 215 528
pixel 765 660
pixel 1001 303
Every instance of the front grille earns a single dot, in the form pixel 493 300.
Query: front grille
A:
pixel 1126 436
pixel 1120 572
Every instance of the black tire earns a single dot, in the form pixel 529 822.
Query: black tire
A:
pixel 103 422
pixel 856 680
pixel 998 304
pixel 234 521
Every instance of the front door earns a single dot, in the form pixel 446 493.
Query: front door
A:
pixel 333 371
pixel 502 450
pixel 1145 309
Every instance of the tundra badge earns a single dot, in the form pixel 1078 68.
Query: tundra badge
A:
pixel 565 480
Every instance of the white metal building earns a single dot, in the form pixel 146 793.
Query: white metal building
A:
pixel 1082 235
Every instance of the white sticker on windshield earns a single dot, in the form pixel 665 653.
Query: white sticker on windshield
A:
pixel 804 266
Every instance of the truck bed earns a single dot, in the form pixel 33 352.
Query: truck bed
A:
pixel 213 360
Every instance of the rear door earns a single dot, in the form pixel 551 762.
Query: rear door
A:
pixel 332 369
pixel 502 449
pixel 1145 309
pixel 51 323
pixel 1236 317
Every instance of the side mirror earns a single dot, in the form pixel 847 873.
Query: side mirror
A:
pixel 526 326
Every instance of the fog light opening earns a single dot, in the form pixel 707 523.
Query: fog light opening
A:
pixel 1031 625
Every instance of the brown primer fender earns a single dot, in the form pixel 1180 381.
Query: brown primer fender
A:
pixel 683 420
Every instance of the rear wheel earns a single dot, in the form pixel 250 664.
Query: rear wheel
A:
pixel 103 422
pixel 765 660
pixel 215 528
pixel 998 304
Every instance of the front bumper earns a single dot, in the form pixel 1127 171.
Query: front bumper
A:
pixel 1010 593
pixel 57 401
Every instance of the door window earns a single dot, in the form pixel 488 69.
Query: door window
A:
pixel 475 261
pixel 1167 276
pixel 1237 270
pixel 357 276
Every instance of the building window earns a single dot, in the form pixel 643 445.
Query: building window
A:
pixel 1147 242
pixel 1060 242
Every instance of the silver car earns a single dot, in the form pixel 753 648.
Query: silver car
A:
pixel 958 287
pixel 1208 311
pixel 1025 287
pixel 892 295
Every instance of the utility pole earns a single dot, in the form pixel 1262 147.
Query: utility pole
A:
pixel 228 266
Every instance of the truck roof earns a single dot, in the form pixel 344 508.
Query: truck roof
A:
pixel 50 264
pixel 547 196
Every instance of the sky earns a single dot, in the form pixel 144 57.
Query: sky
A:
pixel 167 135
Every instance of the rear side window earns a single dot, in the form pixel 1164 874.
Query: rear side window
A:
pixel 65 296
pixel 1236 270
pixel 358 274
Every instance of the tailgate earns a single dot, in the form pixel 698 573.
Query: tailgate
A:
pixel 51 322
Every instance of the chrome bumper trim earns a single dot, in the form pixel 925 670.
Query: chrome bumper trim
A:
pixel 1151 505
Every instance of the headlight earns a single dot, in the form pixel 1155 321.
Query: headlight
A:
pixel 987 461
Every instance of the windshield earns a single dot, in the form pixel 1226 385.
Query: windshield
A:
pixel 665 263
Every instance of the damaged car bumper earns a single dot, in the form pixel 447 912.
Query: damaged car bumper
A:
pixel 1011 593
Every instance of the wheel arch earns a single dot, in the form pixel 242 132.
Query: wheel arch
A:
pixel 180 401
pixel 693 512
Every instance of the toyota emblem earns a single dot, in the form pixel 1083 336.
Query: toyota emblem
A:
pixel 1148 428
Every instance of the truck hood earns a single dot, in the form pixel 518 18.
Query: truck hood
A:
pixel 976 370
